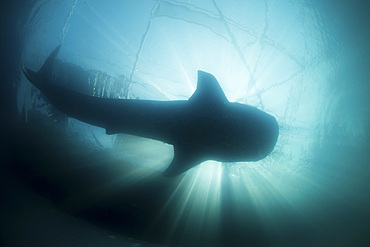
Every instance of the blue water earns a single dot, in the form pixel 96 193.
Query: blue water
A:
pixel 304 62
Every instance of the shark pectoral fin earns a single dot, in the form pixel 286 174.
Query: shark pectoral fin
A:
pixel 111 131
pixel 182 161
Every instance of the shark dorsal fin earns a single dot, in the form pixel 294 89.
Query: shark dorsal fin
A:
pixel 46 67
pixel 44 72
pixel 208 90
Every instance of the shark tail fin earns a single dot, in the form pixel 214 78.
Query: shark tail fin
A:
pixel 45 70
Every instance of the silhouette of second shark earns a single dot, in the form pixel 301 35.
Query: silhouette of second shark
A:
pixel 205 127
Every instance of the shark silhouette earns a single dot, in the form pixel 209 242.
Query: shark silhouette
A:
pixel 205 127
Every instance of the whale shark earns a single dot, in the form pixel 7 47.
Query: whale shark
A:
pixel 205 127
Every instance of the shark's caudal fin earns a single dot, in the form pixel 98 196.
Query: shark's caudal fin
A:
pixel 210 93
pixel 44 71
pixel 92 110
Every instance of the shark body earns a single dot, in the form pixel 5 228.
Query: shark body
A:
pixel 205 127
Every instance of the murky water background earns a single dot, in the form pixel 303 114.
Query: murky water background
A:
pixel 305 62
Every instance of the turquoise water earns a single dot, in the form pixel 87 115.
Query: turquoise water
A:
pixel 304 62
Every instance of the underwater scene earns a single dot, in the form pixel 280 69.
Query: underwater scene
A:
pixel 185 123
